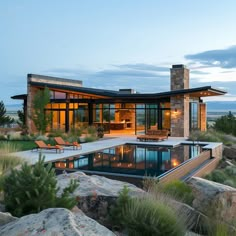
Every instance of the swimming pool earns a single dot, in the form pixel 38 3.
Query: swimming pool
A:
pixel 130 159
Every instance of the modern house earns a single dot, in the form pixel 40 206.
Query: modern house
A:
pixel 179 110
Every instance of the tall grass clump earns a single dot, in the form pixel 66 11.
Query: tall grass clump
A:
pixel 147 216
pixel 152 213
pixel 178 190
pixel 8 161
pixel 212 135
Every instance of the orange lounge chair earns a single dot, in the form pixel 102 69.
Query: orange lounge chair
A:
pixel 61 142
pixel 42 145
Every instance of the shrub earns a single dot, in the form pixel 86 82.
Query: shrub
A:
pixel 150 183
pixel 179 190
pixel 230 182
pixel 76 132
pixel 41 137
pixel 14 136
pixel 116 212
pixel 146 217
pixel 3 137
pixel 56 133
pixel 33 188
pixel 90 138
pixel 230 170
pixel 212 136
pixel 92 130
pixel 226 124
pixel 217 176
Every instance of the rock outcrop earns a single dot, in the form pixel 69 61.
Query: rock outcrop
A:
pixel 214 199
pixel 95 184
pixel 230 152
pixel 55 221
pixel 96 194
pixel 6 217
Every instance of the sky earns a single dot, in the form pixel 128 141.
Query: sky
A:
pixel 113 44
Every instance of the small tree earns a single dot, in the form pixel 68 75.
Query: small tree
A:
pixel 4 119
pixel 40 118
pixel 34 188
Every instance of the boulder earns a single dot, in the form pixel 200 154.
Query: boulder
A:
pixel 6 217
pixel 230 152
pixel 214 199
pixel 90 185
pixel 55 221
pixel 96 194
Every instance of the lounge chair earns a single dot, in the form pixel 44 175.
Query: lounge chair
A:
pixel 154 135
pixel 42 145
pixel 61 142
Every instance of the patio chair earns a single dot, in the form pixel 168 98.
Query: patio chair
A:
pixel 154 135
pixel 60 141
pixel 41 145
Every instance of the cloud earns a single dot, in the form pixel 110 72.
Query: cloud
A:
pixel 145 67
pixel 141 77
pixel 198 72
pixel 223 58
pixel 126 73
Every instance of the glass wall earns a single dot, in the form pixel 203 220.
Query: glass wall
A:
pixel 140 118
pixel 193 116
pixel 152 116
pixel 68 112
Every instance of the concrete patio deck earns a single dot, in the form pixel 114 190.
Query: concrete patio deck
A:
pixel 107 142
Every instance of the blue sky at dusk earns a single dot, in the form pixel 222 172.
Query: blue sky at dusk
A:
pixel 114 44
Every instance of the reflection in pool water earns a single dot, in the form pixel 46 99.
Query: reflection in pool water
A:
pixel 131 159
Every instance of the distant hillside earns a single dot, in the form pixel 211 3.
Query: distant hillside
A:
pixel 13 107
pixel 211 106
pixel 223 106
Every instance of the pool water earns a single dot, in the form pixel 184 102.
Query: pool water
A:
pixel 131 159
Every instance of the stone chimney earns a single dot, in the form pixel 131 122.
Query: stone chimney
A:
pixel 179 77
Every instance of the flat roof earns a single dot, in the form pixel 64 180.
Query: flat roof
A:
pixel 193 92
pixel 199 91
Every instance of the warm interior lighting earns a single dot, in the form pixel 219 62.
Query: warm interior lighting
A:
pixel 174 163
pixel 175 109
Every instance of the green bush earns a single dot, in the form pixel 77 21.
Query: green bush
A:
pixel 56 133
pixel 226 124
pixel 3 137
pixel 76 132
pixel 90 138
pixel 230 182
pixel 217 176
pixel 212 135
pixel 147 217
pixel 116 212
pixel 41 137
pixel 179 190
pixel 33 188
pixel 230 170
pixel 92 130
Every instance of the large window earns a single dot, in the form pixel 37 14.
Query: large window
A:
pixel 193 116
